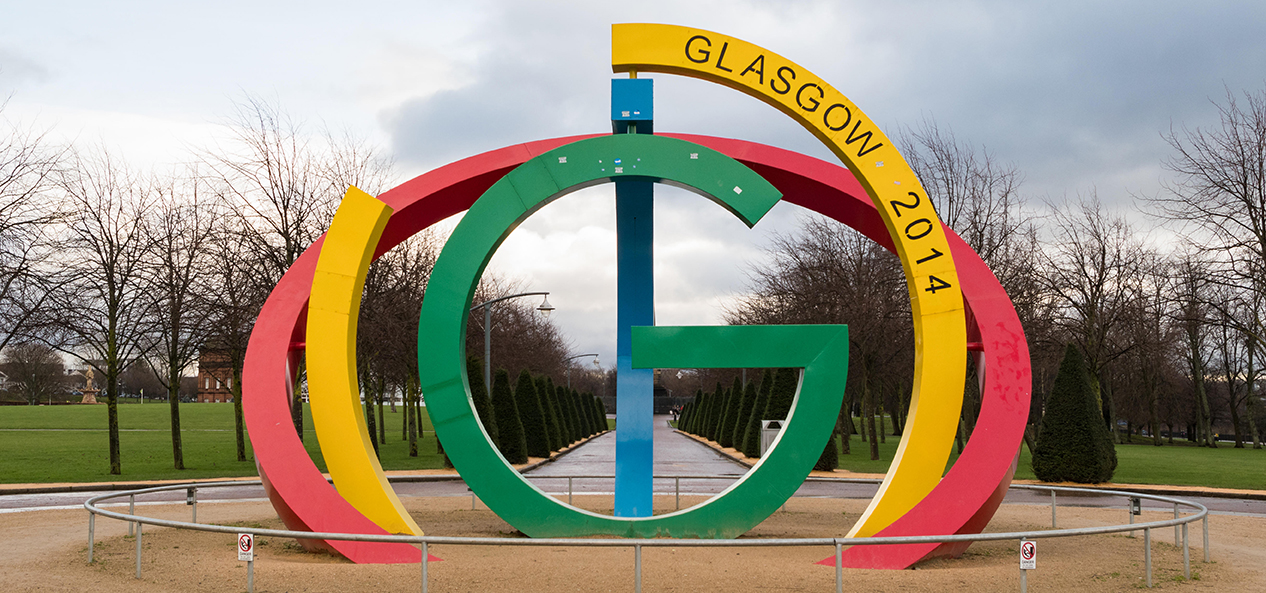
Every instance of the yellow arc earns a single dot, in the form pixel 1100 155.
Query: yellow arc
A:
pixel 333 389
pixel 937 302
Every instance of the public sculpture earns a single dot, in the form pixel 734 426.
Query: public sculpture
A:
pixel 958 307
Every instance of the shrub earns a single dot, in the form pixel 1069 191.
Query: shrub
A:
pixel 545 391
pixel 830 458
pixel 744 412
pixel 479 396
pixel 513 446
pixel 782 394
pixel 751 442
pixel 532 416
pixel 732 405
pixel 1074 444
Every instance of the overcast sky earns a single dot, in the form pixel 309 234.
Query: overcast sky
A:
pixel 1074 94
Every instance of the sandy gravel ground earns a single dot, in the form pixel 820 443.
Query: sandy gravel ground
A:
pixel 47 551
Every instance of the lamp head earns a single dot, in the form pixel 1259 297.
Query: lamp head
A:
pixel 545 307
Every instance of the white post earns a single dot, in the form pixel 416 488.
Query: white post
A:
pixel 1053 524
pixel 1186 554
pixel 92 524
pixel 839 568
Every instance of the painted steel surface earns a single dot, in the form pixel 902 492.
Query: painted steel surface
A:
pixel 935 297
pixel 333 390
pixel 821 350
pixel 635 388
pixel 961 503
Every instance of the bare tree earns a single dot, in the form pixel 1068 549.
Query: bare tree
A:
pixel 29 167
pixel 99 315
pixel 1193 315
pixel 181 222
pixel 830 274
pixel 35 370
pixel 283 185
pixel 1220 194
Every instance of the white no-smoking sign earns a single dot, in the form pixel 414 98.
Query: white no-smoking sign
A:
pixel 245 547
pixel 1028 555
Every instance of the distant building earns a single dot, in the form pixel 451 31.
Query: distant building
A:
pixel 215 377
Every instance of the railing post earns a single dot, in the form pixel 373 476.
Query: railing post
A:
pixel 678 490
pixel 1147 554
pixel 1024 581
pixel 839 567
pixel 92 525
pixel 131 510
pixel 1206 537
pixel 250 575
pixel 1131 512
pixel 195 505
pixel 1176 534
pixel 637 568
pixel 1053 524
pixel 568 489
pixel 138 550
pixel 1186 554
pixel 425 556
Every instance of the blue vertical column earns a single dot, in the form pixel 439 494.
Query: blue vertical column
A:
pixel 631 112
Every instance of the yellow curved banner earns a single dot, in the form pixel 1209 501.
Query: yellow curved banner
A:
pixel 936 300
pixel 333 389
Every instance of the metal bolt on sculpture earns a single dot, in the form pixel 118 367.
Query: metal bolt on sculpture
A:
pixel 957 306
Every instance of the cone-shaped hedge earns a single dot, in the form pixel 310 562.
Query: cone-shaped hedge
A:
pixel 567 434
pixel 744 412
pixel 533 417
pixel 751 441
pixel 479 396
pixel 586 425
pixel 545 391
pixel 732 407
pixel 717 400
pixel 512 444
pixel 1074 444
pixel 830 458
pixel 783 394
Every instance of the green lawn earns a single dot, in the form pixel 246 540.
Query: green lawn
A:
pixel 70 444
pixel 1180 464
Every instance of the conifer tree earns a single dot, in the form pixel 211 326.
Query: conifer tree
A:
pixel 479 396
pixel 751 442
pixel 510 428
pixel 532 416
pixel 830 458
pixel 564 413
pixel 572 413
pixel 701 402
pixel 732 407
pixel 1073 445
pixel 714 415
pixel 783 394
pixel 587 402
pixel 545 391
pixel 585 429
pixel 744 412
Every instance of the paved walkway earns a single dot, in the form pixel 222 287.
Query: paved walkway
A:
pixel 675 455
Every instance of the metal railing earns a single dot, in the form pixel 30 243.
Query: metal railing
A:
pixel 1179 523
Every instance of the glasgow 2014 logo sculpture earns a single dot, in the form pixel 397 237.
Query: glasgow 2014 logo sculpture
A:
pixel 958 309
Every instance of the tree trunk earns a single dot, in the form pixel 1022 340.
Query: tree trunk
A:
pixel 173 401
pixel 382 425
pixel 880 401
pixel 868 405
pixel 1250 403
pixel 240 422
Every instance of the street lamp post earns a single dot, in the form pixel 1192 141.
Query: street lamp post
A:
pixel 544 307
pixel 569 359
